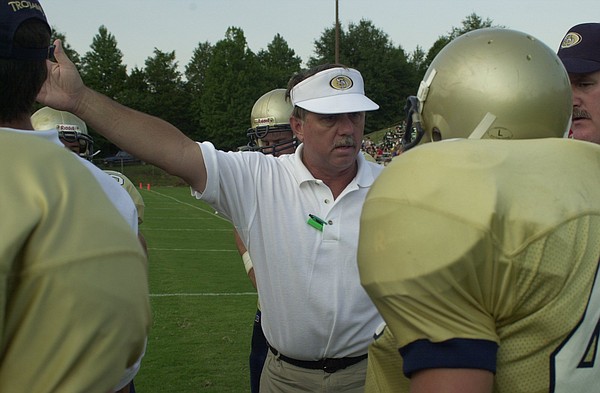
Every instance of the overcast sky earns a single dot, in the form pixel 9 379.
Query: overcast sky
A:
pixel 139 26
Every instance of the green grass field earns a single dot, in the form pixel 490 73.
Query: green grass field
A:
pixel 203 304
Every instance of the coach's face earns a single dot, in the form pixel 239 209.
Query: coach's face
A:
pixel 331 142
pixel 586 106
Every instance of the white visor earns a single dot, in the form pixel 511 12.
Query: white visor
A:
pixel 332 91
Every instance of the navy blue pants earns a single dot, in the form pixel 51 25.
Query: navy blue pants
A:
pixel 258 353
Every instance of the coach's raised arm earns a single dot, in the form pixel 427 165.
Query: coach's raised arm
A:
pixel 151 139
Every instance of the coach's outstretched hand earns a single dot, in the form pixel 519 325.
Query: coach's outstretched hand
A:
pixel 64 87
pixel 147 137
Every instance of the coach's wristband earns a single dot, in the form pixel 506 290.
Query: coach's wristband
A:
pixel 247 261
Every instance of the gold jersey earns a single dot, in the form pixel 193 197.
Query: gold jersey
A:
pixel 74 307
pixel 384 368
pixel 484 254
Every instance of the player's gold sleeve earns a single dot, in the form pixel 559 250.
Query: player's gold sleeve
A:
pixel 413 253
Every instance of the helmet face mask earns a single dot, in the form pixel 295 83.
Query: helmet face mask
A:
pixel 80 143
pixel 491 84
pixel 270 131
pixel 272 140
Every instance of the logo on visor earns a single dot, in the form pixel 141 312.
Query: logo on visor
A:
pixel 341 82
pixel 571 39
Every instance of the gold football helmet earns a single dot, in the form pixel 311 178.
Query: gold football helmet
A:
pixel 72 131
pixel 270 130
pixel 491 83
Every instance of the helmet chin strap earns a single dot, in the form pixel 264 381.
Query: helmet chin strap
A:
pixel 566 134
pixel 483 126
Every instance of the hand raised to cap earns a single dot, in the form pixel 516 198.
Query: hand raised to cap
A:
pixel 63 87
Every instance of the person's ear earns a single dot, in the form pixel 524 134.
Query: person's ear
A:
pixel 297 128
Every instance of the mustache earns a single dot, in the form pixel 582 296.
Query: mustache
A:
pixel 346 141
pixel 580 114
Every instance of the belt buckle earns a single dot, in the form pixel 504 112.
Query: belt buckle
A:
pixel 331 365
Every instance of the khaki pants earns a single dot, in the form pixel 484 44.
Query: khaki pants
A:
pixel 281 377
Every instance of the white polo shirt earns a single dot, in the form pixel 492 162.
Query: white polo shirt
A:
pixel 313 304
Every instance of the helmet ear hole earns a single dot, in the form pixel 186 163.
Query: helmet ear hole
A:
pixel 436 134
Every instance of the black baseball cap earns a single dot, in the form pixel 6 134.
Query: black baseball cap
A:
pixel 580 49
pixel 12 15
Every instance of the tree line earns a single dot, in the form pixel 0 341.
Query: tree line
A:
pixel 212 99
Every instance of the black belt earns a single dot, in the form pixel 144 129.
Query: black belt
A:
pixel 329 365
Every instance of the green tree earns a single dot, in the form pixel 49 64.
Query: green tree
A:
pixel 136 93
pixel 418 61
pixel 279 62
pixel 324 47
pixel 102 67
pixel 167 96
pixel 388 75
pixel 195 73
pixel 233 83
pixel 103 70
pixel 195 70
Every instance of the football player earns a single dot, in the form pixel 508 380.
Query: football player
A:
pixel 270 133
pixel 73 133
pixel 74 295
pixel 270 130
pixel 481 249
